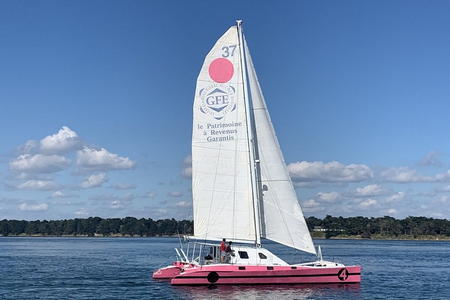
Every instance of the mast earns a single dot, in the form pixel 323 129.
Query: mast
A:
pixel 250 136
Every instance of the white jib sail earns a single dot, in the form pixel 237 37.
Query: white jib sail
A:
pixel 282 218
pixel 221 181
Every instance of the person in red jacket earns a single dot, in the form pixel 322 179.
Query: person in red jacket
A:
pixel 223 249
pixel 229 253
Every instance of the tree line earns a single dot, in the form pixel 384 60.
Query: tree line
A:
pixel 329 227
pixel 383 226
pixel 95 226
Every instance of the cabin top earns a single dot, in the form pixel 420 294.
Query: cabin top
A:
pixel 206 253
pixel 209 253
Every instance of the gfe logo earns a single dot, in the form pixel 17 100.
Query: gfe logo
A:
pixel 217 100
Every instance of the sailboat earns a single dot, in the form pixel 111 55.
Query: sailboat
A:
pixel 241 188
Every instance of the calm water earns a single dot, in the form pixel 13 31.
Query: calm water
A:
pixel 120 268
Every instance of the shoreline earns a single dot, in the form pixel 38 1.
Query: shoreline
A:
pixel 380 237
pixel 374 238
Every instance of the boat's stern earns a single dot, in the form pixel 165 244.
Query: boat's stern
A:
pixel 171 271
pixel 166 272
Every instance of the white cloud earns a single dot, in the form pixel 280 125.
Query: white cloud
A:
pixel 111 198
pixel 188 160
pixel 63 141
pixel 175 194
pixel 187 167
pixel 123 186
pixel 121 201
pixel 328 172
pixel 183 204
pixel 443 189
pixel 368 203
pixel 444 199
pixel 102 160
pixel 94 180
pixel 395 197
pixel 81 212
pixel 57 194
pixel 33 207
pixel 150 195
pixel 28 147
pixel 160 213
pixel 443 176
pixel 431 159
pixel 39 163
pixel 308 184
pixel 311 203
pixel 370 190
pixel 437 215
pixel 404 175
pixel 391 211
pixel 37 185
pixel 187 172
pixel 407 175
pixel 116 204
pixel 328 197
pixel 61 194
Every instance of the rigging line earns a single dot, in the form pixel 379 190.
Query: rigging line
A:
pixel 213 189
pixel 259 190
pixel 249 135
pixel 235 161
pixel 274 180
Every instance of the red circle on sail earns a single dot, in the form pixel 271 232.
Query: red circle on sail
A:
pixel 221 70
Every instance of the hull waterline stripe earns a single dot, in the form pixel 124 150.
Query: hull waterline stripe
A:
pixel 271 283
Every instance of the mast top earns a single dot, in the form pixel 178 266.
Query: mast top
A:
pixel 239 23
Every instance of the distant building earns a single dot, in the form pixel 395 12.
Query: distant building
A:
pixel 321 229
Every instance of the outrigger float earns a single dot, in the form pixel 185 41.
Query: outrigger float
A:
pixel 241 187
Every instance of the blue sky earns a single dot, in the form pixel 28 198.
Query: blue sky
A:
pixel 96 103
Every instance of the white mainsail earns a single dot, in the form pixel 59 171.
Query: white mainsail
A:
pixel 282 218
pixel 223 166
pixel 221 180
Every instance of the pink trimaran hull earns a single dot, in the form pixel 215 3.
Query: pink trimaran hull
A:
pixel 234 274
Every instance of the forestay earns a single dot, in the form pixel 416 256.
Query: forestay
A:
pixel 221 181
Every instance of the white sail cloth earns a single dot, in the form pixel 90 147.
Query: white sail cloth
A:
pixel 221 182
pixel 221 161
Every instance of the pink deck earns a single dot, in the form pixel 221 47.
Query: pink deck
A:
pixel 171 271
pixel 234 274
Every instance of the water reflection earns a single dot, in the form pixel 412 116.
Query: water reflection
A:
pixel 300 291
